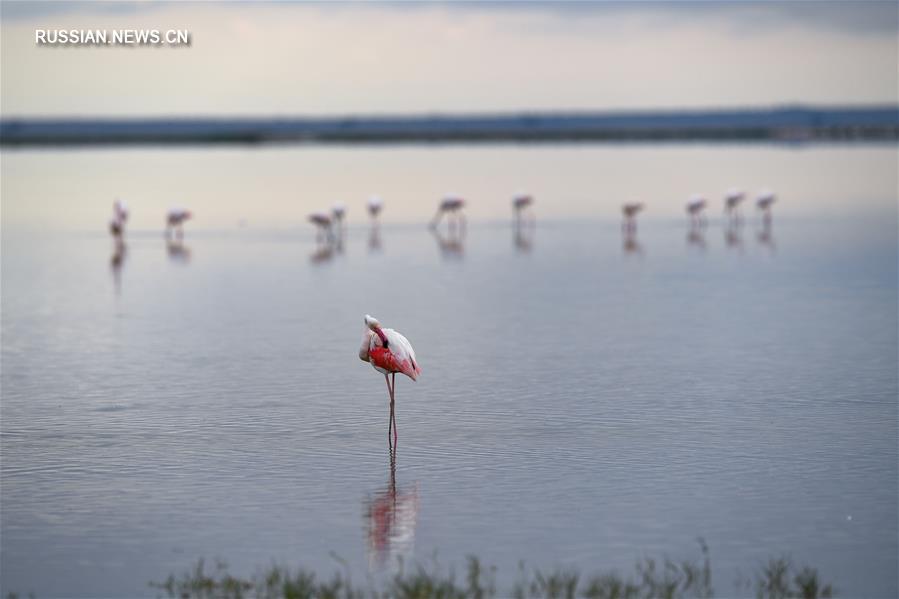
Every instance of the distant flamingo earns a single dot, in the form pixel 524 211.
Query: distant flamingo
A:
pixel 451 206
pixel 338 212
pixel 520 203
pixel 375 204
pixel 630 211
pixel 322 222
pixel 523 234
pixel 388 352
pixel 120 209
pixel 695 208
pixel 119 218
pixel 763 202
pixel 174 221
pixel 732 200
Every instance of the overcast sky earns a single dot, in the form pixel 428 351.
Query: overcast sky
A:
pixel 308 59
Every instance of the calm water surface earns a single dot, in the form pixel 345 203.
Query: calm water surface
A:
pixel 585 399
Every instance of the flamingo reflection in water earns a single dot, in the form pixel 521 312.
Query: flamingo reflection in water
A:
pixel 374 239
pixel 178 252
pixel 629 243
pixel 696 239
pixel 119 252
pixel 452 244
pixel 391 516
pixel 765 237
pixel 733 236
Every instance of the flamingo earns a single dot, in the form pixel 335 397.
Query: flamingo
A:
pixel 120 210
pixel 524 227
pixel 338 211
pixel 322 221
pixel 452 206
pixel 119 217
pixel 732 200
pixel 630 212
pixel 174 221
pixel 388 352
pixel 695 208
pixel 763 202
pixel 521 202
pixel 375 204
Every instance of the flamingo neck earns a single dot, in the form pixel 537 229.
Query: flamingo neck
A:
pixel 383 337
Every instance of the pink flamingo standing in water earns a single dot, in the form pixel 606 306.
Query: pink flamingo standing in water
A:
pixel 119 218
pixel 732 200
pixel 375 203
pixel 763 203
pixel 451 206
pixel 174 222
pixel 630 211
pixel 388 352
pixel 695 207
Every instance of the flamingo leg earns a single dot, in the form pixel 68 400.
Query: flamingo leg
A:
pixel 390 421
pixel 392 411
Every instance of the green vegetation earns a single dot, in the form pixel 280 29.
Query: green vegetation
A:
pixel 665 579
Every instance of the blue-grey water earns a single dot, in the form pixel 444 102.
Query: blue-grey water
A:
pixel 585 399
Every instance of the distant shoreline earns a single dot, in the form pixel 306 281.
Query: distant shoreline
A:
pixel 800 124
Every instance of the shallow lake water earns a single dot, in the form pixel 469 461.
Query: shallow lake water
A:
pixel 586 398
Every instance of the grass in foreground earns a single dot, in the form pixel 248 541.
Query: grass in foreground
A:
pixel 664 579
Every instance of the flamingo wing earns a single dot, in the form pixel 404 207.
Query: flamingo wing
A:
pixel 398 356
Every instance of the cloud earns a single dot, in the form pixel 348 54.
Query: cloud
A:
pixel 855 17
pixel 372 58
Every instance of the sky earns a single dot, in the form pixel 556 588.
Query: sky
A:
pixel 288 58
